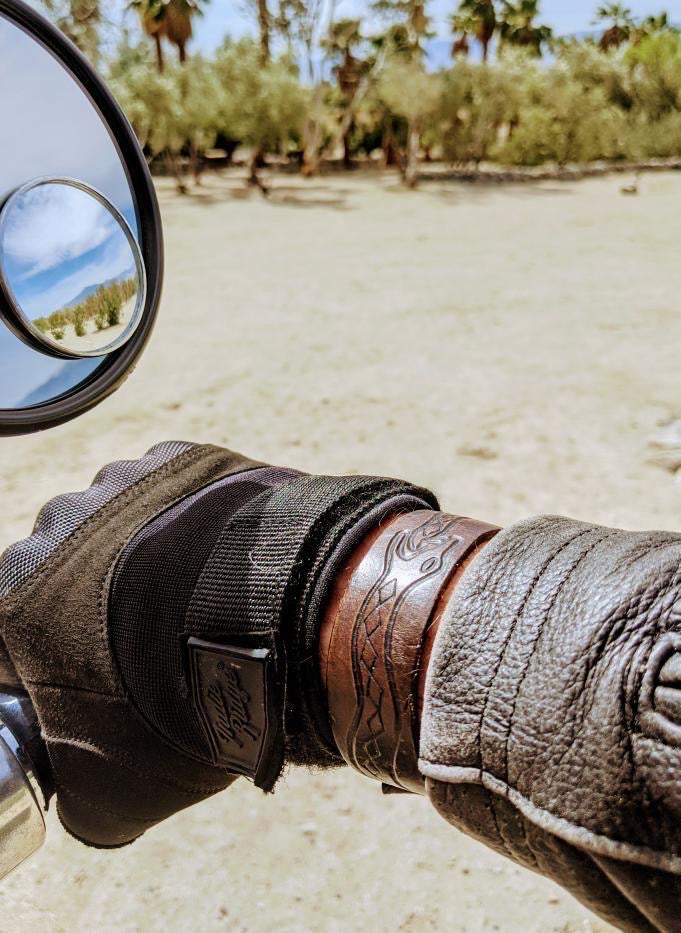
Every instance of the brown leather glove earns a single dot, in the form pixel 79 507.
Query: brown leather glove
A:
pixel 552 722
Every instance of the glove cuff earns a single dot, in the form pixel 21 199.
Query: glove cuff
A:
pixel 215 612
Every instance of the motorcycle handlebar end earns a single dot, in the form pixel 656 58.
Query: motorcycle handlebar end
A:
pixel 22 796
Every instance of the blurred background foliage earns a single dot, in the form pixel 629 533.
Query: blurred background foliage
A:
pixel 314 90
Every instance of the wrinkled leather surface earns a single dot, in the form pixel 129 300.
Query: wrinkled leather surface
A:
pixel 552 723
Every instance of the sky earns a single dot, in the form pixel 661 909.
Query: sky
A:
pixel 564 16
pixel 49 128
pixel 58 241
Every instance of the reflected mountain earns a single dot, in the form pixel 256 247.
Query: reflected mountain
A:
pixel 92 289
pixel 70 376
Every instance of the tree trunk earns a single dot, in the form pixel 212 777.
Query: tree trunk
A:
pixel 196 163
pixel 264 26
pixel 485 50
pixel 182 49
pixel 391 151
pixel 312 155
pixel 254 179
pixel 347 155
pixel 173 168
pixel 311 161
pixel 411 171
pixel 159 53
pixel 365 86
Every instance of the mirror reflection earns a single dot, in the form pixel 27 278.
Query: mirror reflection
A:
pixel 71 268
pixel 52 129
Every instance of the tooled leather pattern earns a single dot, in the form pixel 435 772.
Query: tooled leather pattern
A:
pixel 555 684
pixel 414 556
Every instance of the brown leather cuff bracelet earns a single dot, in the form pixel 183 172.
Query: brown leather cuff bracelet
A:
pixel 383 605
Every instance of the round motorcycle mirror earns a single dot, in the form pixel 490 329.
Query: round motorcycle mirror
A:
pixel 80 233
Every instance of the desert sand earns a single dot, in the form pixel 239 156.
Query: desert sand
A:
pixel 515 348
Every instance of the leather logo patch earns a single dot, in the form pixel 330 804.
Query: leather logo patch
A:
pixel 230 687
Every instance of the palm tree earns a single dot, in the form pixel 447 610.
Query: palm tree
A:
pixel 461 46
pixel 620 26
pixel 463 26
pixel 477 18
pixel 178 23
pixel 410 15
pixel 150 13
pixel 344 37
pixel 169 19
pixel 518 26
pixel 341 43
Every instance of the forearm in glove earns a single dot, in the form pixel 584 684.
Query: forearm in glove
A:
pixel 552 725
pixel 166 624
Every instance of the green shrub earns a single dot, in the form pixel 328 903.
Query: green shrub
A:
pixel 113 310
pixel 78 317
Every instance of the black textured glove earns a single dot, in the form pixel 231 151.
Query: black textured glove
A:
pixel 164 623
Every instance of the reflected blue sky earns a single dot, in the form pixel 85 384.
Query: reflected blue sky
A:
pixel 58 244
pixel 49 127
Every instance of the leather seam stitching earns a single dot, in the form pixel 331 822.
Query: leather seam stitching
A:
pixel 642 855
pixel 61 790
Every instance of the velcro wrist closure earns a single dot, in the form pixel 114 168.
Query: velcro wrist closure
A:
pixel 230 608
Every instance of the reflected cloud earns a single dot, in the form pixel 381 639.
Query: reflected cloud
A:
pixel 58 241
pixel 67 227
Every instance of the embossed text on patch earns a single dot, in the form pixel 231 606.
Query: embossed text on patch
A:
pixel 229 686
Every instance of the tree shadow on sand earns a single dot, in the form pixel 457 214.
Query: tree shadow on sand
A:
pixel 301 196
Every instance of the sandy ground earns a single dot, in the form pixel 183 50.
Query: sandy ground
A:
pixel 514 348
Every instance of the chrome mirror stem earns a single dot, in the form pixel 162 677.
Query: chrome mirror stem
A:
pixel 22 795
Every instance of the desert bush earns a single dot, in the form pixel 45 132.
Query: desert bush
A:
pixel 263 106
pixel 79 318
pixel 409 92
pixel 655 65
pixel 479 103
pixel 112 303
pixel 104 307
pixel 560 120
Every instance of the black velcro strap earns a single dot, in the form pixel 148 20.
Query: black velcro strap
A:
pixel 151 589
pixel 260 597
